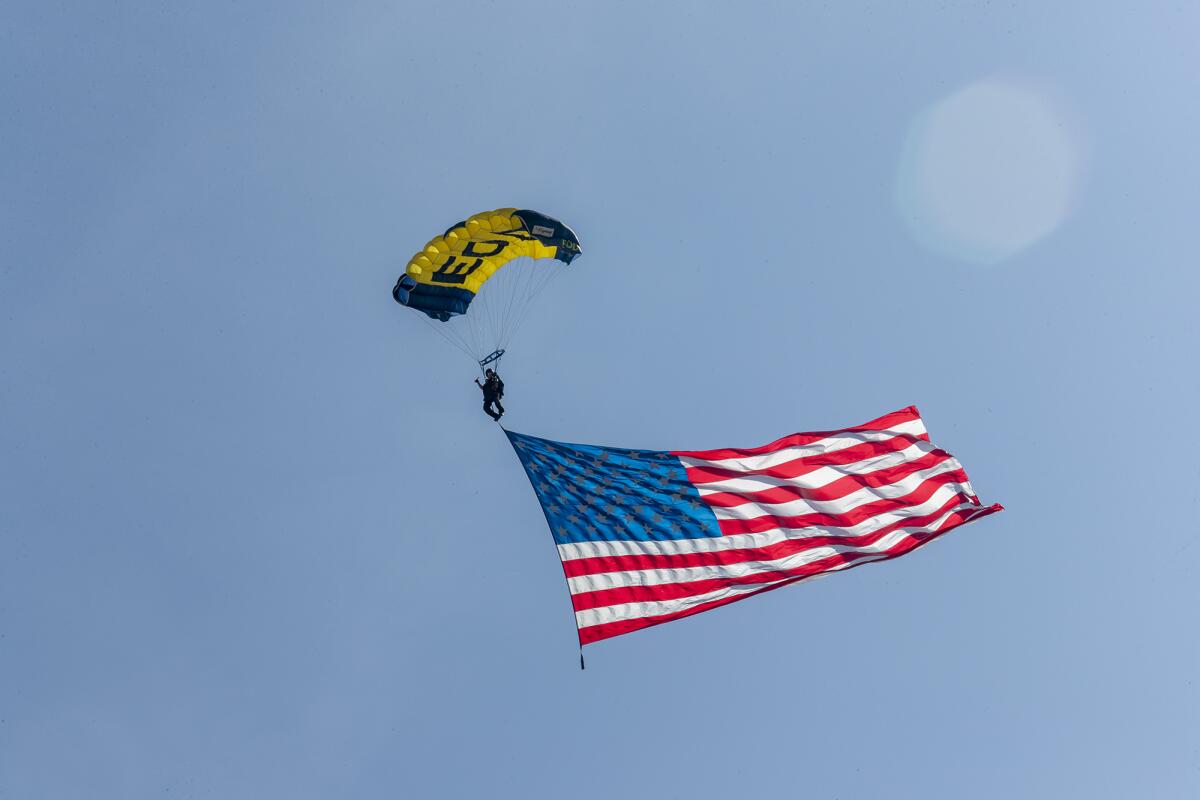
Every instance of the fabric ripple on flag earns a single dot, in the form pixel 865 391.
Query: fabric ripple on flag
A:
pixel 648 536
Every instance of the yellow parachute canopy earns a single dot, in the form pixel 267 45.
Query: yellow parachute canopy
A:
pixel 445 276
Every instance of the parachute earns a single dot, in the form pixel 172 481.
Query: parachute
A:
pixel 465 284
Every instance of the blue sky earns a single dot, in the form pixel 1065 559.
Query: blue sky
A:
pixel 258 540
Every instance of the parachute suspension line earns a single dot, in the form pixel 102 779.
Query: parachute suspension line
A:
pixel 502 306
pixel 517 290
pixel 497 312
pixel 456 341
pixel 520 302
pixel 510 284
pixel 538 284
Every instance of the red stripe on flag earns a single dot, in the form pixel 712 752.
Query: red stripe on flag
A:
pixel 595 633
pixel 834 490
pixel 598 565
pixel 854 516
pixel 806 464
pixel 677 591
pixel 884 423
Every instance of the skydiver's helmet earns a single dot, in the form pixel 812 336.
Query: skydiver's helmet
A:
pixel 489 374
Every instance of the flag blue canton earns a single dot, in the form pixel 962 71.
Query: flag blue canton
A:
pixel 592 493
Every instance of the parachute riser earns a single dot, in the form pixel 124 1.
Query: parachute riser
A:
pixel 491 358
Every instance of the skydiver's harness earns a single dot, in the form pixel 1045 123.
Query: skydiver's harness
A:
pixel 493 388
pixel 497 387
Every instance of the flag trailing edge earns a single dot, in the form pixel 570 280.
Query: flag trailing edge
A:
pixel 647 536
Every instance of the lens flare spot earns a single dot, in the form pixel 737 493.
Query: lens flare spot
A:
pixel 987 172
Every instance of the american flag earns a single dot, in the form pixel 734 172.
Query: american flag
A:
pixel 649 536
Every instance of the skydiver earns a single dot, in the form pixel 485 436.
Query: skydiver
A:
pixel 493 390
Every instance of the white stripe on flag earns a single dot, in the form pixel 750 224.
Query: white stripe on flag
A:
pixel 821 476
pixel 741 541
pixel 657 577
pixel 827 445
pixel 868 494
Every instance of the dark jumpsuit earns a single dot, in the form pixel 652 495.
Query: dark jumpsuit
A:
pixel 493 390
